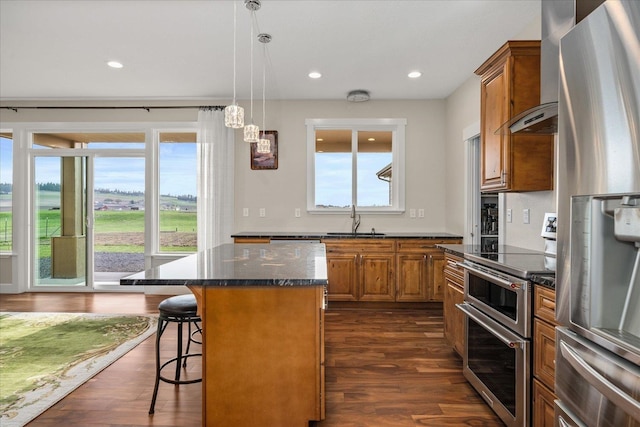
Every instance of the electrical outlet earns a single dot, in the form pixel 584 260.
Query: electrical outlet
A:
pixel 509 215
pixel 245 211
pixel 297 213
pixel 263 212
pixel 412 213
pixel 525 216
pixel 420 213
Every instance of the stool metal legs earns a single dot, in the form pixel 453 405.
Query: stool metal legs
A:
pixel 180 360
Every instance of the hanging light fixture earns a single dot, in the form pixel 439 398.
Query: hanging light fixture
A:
pixel 234 114
pixel 264 145
pixel 252 131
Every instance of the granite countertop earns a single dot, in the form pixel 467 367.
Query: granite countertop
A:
pixel 461 250
pixel 547 280
pixel 283 235
pixel 287 264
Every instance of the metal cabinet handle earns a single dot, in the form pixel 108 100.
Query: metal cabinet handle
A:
pixel 604 386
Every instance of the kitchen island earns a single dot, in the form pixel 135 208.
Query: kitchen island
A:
pixel 262 308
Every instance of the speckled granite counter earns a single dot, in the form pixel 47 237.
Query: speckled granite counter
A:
pixel 262 310
pixel 546 280
pixel 461 250
pixel 283 235
pixel 287 264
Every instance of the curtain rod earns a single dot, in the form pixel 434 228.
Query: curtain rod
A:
pixel 213 107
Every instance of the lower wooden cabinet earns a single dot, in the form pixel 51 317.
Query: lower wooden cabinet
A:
pixel 386 270
pixel 543 406
pixel 361 269
pixel 544 355
pixel 454 294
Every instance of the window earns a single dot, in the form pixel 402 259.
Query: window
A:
pixel 355 162
pixel 177 189
pixel 6 192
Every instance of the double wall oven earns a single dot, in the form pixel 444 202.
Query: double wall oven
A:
pixel 498 311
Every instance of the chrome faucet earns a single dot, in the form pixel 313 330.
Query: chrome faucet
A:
pixel 356 220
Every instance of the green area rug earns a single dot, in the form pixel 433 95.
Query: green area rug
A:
pixel 45 356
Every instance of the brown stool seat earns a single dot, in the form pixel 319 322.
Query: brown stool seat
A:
pixel 179 309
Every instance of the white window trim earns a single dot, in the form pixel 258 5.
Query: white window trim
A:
pixel 397 126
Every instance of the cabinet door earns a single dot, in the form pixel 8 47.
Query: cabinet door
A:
pixel 543 406
pixel 412 278
pixel 453 318
pixel 342 273
pixel 495 111
pixel 377 277
pixel 544 352
pixel 436 284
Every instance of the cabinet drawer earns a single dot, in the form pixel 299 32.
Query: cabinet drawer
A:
pixel 545 304
pixel 359 245
pixel 453 272
pixel 544 352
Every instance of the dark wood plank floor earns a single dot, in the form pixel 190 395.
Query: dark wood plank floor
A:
pixel 384 369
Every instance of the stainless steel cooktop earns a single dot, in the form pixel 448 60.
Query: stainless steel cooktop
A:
pixel 521 265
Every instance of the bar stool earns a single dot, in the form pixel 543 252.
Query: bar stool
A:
pixel 180 309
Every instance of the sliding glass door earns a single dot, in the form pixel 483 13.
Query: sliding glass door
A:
pixel 60 221
pixel 88 209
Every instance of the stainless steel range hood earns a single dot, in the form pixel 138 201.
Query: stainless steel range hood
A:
pixel 558 17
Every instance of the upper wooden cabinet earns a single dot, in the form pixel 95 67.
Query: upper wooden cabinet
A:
pixel 510 85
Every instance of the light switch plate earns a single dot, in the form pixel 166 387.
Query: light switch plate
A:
pixel 412 213
pixel 263 212
pixel 509 215
pixel 245 211
pixel 525 216
pixel 297 213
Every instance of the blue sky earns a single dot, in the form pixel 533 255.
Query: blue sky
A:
pixel 177 168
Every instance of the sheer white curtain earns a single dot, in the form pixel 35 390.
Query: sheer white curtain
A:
pixel 215 178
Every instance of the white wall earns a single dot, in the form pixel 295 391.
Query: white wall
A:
pixel 462 110
pixel 281 191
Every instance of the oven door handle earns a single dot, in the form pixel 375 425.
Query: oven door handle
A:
pixel 512 343
pixel 609 390
pixel 494 279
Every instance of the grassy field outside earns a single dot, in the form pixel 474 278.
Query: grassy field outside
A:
pixel 178 222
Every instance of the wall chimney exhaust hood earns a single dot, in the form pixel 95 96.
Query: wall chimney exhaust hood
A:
pixel 541 119
pixel 558 17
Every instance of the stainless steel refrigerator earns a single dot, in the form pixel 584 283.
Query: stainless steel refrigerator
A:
pixel 598 270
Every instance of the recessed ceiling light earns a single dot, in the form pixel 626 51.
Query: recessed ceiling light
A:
pixel 319 139
pixel 414 74
pixel 371 139
pixel 115 64
pixel 315 75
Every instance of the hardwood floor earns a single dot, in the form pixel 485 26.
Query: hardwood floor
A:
pixel 384 368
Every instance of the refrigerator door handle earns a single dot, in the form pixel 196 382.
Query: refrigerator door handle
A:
pixel 604 386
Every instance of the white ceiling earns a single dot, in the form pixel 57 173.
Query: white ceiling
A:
pixel 183 49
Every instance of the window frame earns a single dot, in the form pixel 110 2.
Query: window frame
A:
pixel 395 126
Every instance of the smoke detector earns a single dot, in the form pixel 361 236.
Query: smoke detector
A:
pixel 358 96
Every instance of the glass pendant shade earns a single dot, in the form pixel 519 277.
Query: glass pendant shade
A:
pixel 264 146
pixel 251 133
pixel 234 116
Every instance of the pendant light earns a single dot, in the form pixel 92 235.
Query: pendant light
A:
pixel 252 131
pixel 234 114
pixel 264 145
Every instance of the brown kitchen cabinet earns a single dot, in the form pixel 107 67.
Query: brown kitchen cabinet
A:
pixel 386 270
pixel 420 275
pixel 266 358
pixel 544 353
pixel 454 294
pixel 510 84
pixel 361 269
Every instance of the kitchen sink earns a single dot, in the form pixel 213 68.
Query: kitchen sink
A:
pixel 349 234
